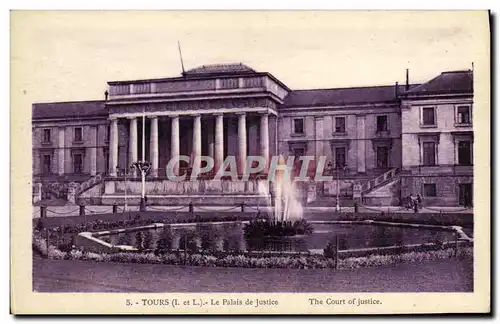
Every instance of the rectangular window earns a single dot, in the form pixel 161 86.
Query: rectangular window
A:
pixel 78 134
pixel 464 153
pixel 382 157
pixel 46 135
pixel 340 157
pixel 46 167
pixel 77 163
pixel 381 124
pixel 106 161
pixel 430 190
pixel 428 116
pixel 339 124
pixel 463 115
pixel 298 126
pixel 429 153
pixel 465 191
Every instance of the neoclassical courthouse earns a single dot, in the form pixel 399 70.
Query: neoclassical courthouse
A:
pixel 381 143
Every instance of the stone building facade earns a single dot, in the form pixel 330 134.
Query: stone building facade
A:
pixel 438 139
pixel 373 138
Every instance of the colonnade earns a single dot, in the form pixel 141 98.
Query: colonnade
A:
pixel 215 141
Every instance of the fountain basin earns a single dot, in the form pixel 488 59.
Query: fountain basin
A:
pixel 230 237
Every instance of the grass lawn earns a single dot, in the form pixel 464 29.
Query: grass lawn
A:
pixel 451 275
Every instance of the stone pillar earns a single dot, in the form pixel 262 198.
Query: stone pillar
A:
pixel 264 138
pixel 319 138
pixel 132 146
pixel 174 145
pixel 196 138
pixel 361 143
pixel 60 146
pixel 242 142
pixel 211 139
pixel 219 141
pixel 273 130
pixel 153 146
pixel 93 151
pixel 113 147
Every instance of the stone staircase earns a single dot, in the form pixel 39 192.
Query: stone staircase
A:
pixel 383 190
pixel 380 181
pixel 76 191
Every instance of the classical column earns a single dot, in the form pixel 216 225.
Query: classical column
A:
pixel 264 138
pixel 153 146
pixel 93 151
pixel 60 145
pixel 132 146
pixel 196 138
pixel 113 147
pixel 174 144
pixel 210 139
pixel 242 141
pixel 219 141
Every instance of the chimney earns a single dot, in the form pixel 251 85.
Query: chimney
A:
pixel 396 90
pixel 106 95
pixel 407 86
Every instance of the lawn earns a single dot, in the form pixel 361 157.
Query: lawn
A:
pixel 451 275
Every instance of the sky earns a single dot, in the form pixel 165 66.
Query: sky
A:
pixel 67 56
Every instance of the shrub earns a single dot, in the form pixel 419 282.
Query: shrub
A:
pixel 330 249
pixel 139 243
pixel 148 240
pixel 209 236
pixel 39 245
pixel 66 247
pixel 39 225
pixel 438 240
pixel 259 228
pixel 164 243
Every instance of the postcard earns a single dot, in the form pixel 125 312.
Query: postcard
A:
pixel 250 162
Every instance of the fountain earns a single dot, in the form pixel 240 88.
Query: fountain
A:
pixel 286 215
pixel 286 206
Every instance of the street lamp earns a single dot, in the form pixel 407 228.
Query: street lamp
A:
pixel 343 168
pixel 143 166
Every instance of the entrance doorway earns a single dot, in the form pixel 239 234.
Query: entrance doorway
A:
pixel 465 194
pixel 382 157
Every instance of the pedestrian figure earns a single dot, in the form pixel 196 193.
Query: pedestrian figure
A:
pixel 419 200
pixel 409 201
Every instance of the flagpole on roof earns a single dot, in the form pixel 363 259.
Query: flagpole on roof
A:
pixel 180 55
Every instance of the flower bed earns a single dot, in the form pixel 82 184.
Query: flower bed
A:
pixel 295 261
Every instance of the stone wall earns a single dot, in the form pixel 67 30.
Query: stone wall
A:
pixel 447 188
